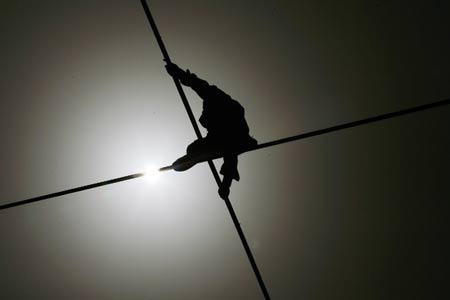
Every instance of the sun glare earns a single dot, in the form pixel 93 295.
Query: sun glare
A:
pixel 152 174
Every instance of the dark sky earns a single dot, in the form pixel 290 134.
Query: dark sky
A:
pixel 358 214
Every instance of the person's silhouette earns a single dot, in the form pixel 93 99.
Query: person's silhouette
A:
pixel 228 132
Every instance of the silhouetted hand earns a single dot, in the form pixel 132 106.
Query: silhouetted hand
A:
pixel 175 71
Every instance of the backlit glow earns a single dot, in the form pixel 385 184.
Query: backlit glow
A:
pixel 152 174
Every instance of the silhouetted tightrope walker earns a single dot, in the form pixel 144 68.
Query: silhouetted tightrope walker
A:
pixel 228 132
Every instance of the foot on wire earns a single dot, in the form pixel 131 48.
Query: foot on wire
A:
pixel 224 192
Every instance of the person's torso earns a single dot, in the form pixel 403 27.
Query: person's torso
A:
pixel 224 118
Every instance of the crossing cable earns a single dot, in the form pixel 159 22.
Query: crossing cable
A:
pixel 210 162
pixel 71 191
pixel 260 146
pixel 360 122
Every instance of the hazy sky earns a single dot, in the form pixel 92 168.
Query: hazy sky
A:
pixel 358 214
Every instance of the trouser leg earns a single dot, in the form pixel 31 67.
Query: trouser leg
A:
pixel 199 150
pixel 190 159
pixel 196 147
pixel 229 172
pixel 229 167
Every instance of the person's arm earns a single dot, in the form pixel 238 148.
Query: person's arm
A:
pixel 200 86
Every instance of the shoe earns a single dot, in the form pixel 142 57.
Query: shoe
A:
pixel 189 160
pixel 183 163
pixel 224 192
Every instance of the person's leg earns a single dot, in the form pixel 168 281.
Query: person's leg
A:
pixel 229 167
pixel 229 172
pixel 196 147
pixel 200 150
pixel 224 189
pixel 189 160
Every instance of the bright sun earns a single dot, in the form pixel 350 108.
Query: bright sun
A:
pixel 152 174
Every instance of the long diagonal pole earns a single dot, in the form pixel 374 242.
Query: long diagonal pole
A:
pixel 210 163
